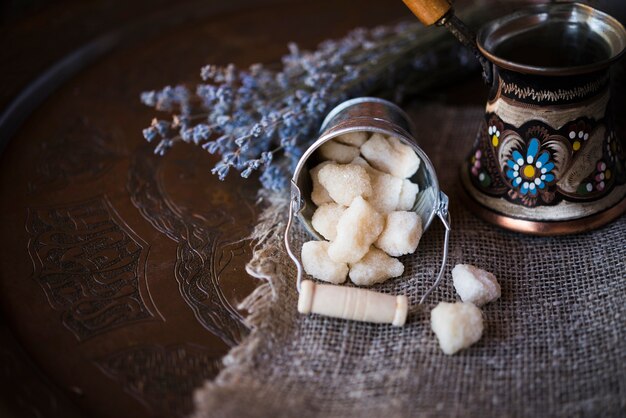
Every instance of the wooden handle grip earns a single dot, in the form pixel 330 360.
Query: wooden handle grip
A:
pixel 352 303
pixel 428 11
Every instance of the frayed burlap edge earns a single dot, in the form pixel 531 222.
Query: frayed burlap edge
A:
pixel 267 236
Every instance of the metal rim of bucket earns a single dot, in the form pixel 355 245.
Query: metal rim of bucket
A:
pixel 422 155
pixel 405 138
pixel 357 100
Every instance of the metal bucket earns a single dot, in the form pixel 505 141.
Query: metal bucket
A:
pixel 377 116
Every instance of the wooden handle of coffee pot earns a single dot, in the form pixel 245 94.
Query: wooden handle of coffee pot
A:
pixel 428 11
pixel 352 303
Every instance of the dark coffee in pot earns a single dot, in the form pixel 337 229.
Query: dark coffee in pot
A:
pixel 557 45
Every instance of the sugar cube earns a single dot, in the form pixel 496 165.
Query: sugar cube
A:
pixel 408 193
pixel 357 229
pixel 335 151
pixel 355 139
pixel 362 163
pixel 456 325
pixel 390 155
pixel 386 189
pixel 375 267
pixel 316 263
pixel 325 219
pixel 319 194
pixel 401 234
pixel 475 285
pixel 345 182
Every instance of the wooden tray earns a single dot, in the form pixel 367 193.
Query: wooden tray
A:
pixel 120 272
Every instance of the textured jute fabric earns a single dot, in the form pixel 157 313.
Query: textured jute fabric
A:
pixel 554 343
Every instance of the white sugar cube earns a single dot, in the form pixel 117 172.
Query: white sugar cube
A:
pixel 355 139
pixel 386 189
pixel 345 182
pixel 334 151
pixel 475 285
pixel 390 155
pixel 319 194
pixel 375 267
pixel 360 161
pixel 316 263
pixel 325 219
pixel 408 193
pixel 357 229
pixel 401 234
pixel 457 325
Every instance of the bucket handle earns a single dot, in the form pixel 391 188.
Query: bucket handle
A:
pixel 356 303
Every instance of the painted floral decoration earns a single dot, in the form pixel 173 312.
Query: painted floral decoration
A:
pixel 494 134
pixel 477 169
pixel 536 165
pixel 613 148
pixel 598 181
pixel 475 160
pixel 578 134
pixel 603 175
pixel 532 172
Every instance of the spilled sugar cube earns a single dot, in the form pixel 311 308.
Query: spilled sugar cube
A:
pixel 408 193
pixel 357 229
pixel 375 267
pixel 325 219
pixel 316 263
pixel 319 194
pixel 355 139
pixel 456 325
pixel 391 156
pixel 338 152
pixel 475 285
pixel 401 234
pixel 345 182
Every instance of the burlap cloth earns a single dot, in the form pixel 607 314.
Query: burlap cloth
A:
pixel 554 345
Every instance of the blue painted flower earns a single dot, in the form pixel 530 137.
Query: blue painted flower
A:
pixel 532 172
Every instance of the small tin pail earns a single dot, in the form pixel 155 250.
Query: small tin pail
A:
pixel 373 115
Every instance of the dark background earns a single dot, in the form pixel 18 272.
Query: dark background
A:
pixel 34 35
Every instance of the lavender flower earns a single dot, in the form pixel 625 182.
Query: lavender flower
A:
pixel 264 119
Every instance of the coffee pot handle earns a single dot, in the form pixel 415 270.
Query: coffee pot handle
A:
pixel 429 12
pixel 441 13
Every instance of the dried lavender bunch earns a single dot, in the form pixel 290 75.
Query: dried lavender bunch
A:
pixel 264 119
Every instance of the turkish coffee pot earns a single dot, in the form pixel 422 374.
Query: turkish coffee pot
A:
pixel 547 158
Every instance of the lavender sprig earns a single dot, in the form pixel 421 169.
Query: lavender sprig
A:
pixel 264 119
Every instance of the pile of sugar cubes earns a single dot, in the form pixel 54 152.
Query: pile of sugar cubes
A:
pixel 364 199
pixel 459 325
